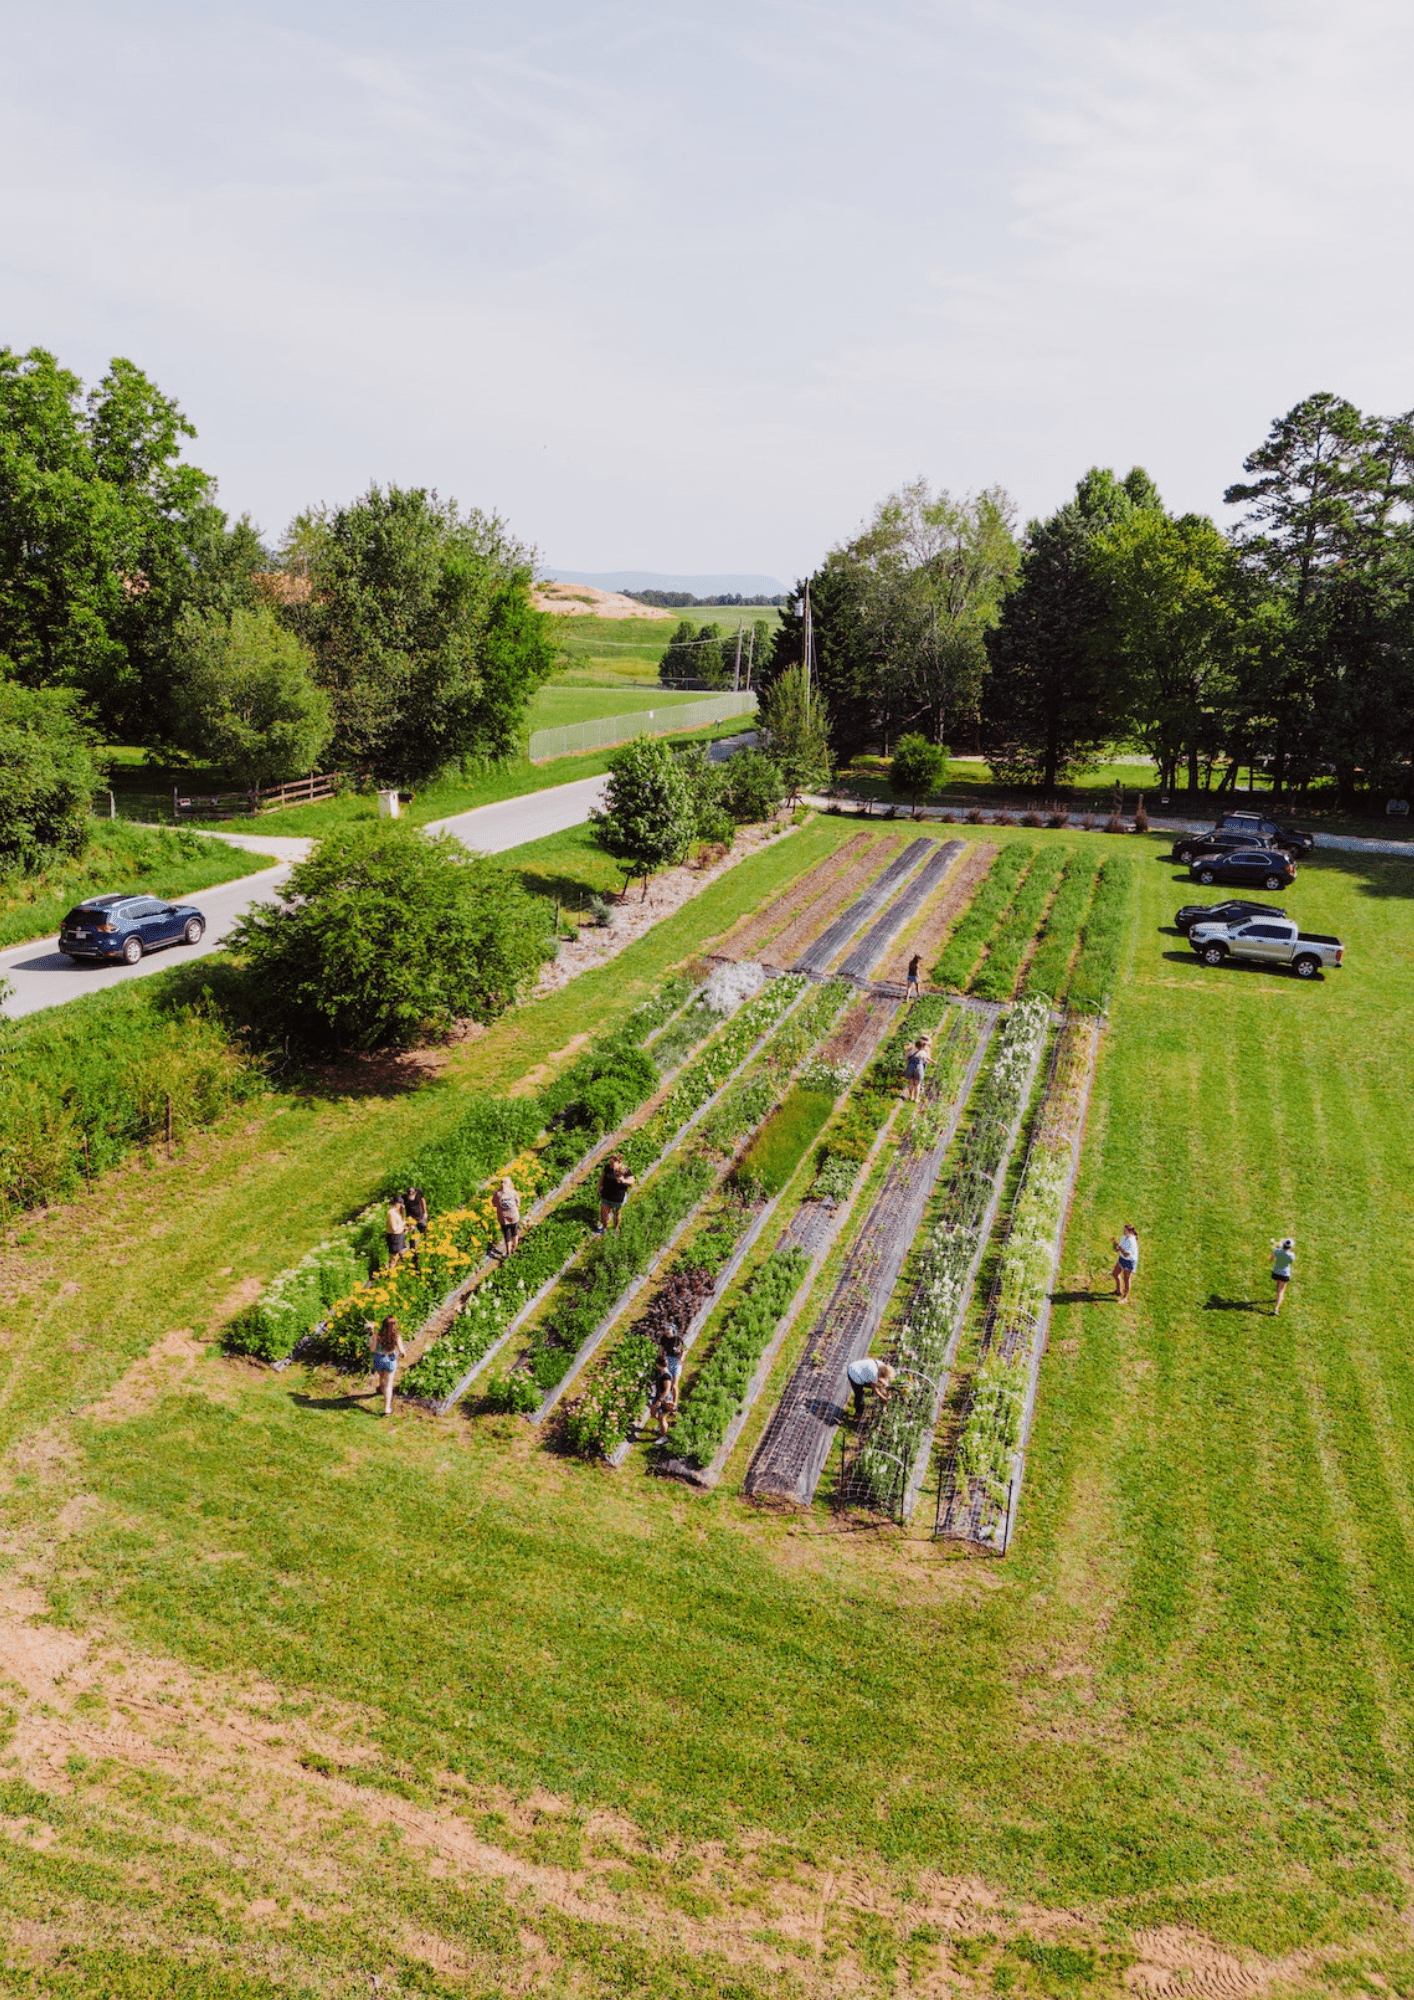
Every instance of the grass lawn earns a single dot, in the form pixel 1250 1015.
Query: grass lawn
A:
pixel 687 1747
pixel 153 861
pixel 562 703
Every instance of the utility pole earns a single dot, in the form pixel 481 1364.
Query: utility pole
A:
pixel 736 668
pixel 808 647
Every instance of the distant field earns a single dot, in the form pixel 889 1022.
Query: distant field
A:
pixel 599 650
pixel 561 703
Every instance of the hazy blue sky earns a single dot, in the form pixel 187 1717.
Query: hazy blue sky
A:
pixel 688 287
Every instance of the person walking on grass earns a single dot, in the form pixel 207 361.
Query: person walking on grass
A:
pixel 915 965
pixel 915 1068
pixel 866 1374
pixel 506 1202
pixel 1126 1260
pixel 396 1229
pixel 614 1184
pixel 387 1346
pixel 1283 1267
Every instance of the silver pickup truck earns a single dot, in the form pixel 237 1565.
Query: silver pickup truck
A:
pixel 1268 941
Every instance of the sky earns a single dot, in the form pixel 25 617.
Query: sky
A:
pixel 690 287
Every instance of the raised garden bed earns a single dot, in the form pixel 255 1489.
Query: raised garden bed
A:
pixel 980 1485
pixel 822 889
pixel 1009 948
pixel 1049 971
pixel 937 918
pixel 836 935
pixel 993 899
pixel 1106 928
pixel 791 1455
pixel 893 1450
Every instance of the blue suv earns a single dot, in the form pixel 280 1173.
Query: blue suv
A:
pixel 127 926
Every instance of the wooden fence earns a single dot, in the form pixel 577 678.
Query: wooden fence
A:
pixel 233 805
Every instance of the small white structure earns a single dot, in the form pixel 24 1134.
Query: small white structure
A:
pixel 388 805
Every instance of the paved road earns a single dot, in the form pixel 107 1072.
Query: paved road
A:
pixel 42 977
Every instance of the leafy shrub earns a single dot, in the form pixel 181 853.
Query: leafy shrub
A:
pixel 385 933
pixel 515 1395
pixel 297 1300
pixel 752 787
pixel 47 775
pixel 243 695
pixel 86 1083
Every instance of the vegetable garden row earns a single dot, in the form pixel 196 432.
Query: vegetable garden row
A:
pixel 762 1121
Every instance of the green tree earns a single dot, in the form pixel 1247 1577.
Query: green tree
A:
pixel 694 654
pixel 712 820
pixel 244 698
pixel 386 934
pixel 99 519
pixel 1173 628
pixel 1050 702
pixel 795 731
pixel 917 769
pixel 752 786
pixel 48 776
pixel 649 816
pixel 422 630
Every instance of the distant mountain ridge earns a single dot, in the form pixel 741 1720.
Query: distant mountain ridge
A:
pixel 740 585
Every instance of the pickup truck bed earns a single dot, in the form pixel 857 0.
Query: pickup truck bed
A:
pixel 1315 937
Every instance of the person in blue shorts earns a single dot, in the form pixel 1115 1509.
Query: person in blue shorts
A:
pixel 387 1345
pixel 1283 1268
pixel 1126 1260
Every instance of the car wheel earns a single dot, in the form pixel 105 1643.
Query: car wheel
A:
pixel 1213 954
pixel 1205 876
pixel 1306 966
pixel 132 951
pixel 193 931
pixel 1274 881
pixel 1183 854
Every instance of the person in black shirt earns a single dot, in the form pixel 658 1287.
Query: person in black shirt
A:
pixel 614 1184
pixel 911 991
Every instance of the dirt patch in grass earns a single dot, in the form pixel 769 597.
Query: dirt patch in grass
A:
pixel 748 937
pixel 154 1375
pixel 937 917
pixel 816 912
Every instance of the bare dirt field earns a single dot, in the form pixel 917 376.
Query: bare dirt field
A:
pixel 935 920
pixel 582 600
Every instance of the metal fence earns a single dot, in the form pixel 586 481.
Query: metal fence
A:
pixel 577 736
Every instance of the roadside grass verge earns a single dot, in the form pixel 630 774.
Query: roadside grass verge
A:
pixel 140 860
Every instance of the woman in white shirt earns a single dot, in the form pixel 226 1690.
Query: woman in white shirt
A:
pixel 1127 1261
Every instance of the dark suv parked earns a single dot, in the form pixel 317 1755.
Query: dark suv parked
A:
pixel 126 926
pixel 1222 913
pixel 1250 823
pixel 1189 845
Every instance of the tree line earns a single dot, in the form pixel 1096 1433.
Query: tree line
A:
pixel 392 636
pixel 1284 645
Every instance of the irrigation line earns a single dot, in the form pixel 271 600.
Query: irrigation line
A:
pixel 583 1172
pixel 709 1475
pixel 591 1340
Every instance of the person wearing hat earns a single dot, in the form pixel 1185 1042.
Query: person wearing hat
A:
pixel 1283 1265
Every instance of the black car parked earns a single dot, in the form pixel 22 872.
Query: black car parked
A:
pixel 1251 823
pixel 1264 867
pixel 1189 845
pixel 1235 912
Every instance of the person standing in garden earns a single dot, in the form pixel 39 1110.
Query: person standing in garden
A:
pixel 396 1229
pixel 866 1374
pixel 506 1203
pixel 614 1184
pixel 667 1376
pixel 1126 1260
pixel 915 1067
pixel 915 966
pixel 387 1346
pixel 415 1207
pixel 1283 1267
